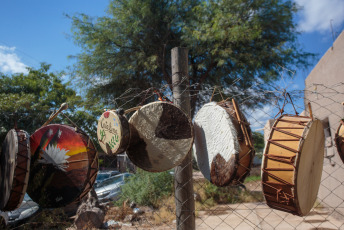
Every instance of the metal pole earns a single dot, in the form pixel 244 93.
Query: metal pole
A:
pixel 183 183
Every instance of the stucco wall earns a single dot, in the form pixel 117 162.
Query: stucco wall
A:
pixel 324 88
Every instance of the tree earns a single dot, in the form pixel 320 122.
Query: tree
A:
pixel 29 99
pixel 227 40
pixel 258 140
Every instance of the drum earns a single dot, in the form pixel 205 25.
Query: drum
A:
pixel 113 132
pixel 14 169
pixel 161 136
pixel 339 139
pixel 292 164
pixel 223 143
pixel 64 165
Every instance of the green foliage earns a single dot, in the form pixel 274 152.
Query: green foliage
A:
pixel 30 98
pixel 227 40
pixel 253 178
pixel 258 139
pixel 146 188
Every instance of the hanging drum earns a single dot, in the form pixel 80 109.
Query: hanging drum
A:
pixel 113 132
pixel 292 164
pixel 14 169
pixel 223 143
pixel 161 136
pixel 340 140
pixel 64 165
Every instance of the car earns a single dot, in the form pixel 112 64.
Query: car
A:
pixel 110 188
pixel 27 208
pixel 102 175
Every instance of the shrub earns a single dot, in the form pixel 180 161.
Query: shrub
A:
pixel 146 188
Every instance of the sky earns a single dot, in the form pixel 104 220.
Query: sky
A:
pixel 37 31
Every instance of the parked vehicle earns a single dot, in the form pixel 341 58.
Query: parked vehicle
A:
pixel 110 188
pixel 26 209
pixel 102 175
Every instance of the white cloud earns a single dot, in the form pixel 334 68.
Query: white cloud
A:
pixel 317 14
pixel 10 62
pixel 259 116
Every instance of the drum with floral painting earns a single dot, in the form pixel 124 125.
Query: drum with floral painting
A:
pixel 64 165
pixel 113 132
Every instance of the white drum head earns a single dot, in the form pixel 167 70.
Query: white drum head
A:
pixel 216 143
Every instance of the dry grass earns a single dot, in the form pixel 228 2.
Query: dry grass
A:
pixel 118 213
pixel 166 213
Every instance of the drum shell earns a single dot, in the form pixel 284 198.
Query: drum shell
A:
pixel 281 166
pixel 339 139
pixel 51 186
pixel 245 156
pixel 17 169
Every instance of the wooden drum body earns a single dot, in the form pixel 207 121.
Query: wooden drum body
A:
pixel 113 133
pixel 223 143
pixel 161 136
pixel 340 140
pixel 64 165
pixel 292 164
pixel 14 169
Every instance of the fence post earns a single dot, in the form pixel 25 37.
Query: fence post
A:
pixel 183 182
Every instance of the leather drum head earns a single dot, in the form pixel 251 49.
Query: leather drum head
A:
pixel 216 144
pixel 310 165
pixel 161 136
pixel 61 165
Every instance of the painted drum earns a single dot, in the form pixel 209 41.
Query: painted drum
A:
pixel 64 165
pixel 223 143
pixel 113 132
pixel 292 164
pixel 339 139
pixel 14 169
pixel 161 136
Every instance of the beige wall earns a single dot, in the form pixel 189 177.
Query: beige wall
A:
pixel 324 88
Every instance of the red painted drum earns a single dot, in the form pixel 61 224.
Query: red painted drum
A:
pixel 64 165
pixel 14 169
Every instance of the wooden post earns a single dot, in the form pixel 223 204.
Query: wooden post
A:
pixel 183 182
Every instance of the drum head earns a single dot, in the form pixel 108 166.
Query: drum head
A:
pixel 161 137
pixel 60 168
pixel 14 169
pixel 111 134
pixel 216 144
pixel 309 168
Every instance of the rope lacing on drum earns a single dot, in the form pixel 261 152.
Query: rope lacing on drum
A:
pixel 284 159
pixel 281 196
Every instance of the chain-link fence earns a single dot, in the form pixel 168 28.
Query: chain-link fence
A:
pixel 135 199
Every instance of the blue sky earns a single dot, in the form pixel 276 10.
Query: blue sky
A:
pixel 36 31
